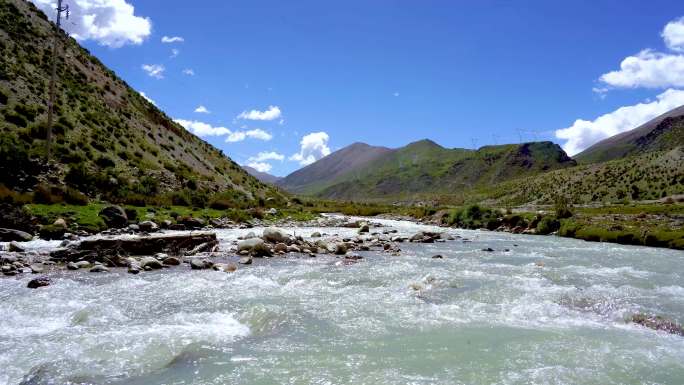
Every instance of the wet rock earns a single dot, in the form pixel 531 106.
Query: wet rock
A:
pixel 245 261
pixel 9 235
pixel 72 266
pixel 8 258
pixel 293 249
pixel 38 282
pixel 82 264
pixel 488 249
pixel 200 264
pixel 249 244
pixel 192 223
pixel 51 232
pixel 280 248
pixel 274 235
pixel 165 224
pixel 658 323
pixel 177 227
pixel 438 256
pixel 60 222
pixel 151 263
pixel 134 268
pixel 315 234
pixel 99 269
pixel 114 216
pixel 353 257
pixel 364 228
pixel 36 269
pixel 172 261
pixel 230 267
pixel 134 227
pixel 340 248
pixel 148 226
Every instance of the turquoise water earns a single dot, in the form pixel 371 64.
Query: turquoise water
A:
pixel 473 317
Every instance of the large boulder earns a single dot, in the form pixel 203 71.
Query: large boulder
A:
pixel 192 223
pixel 148 226
pixel 9 235
pixel 249 244
pixel 150 263
pixel 274 235
pixel 114 216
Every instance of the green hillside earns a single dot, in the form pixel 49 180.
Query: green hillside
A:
pixel 109 142
pixel 425 168
pixel 662 133
pixel 650 176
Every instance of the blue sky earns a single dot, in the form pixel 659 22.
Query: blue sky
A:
pixel 461 73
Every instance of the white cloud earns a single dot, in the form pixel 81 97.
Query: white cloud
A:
pixel 262 156
pixel 202 110
pixel 313 147
pixel 239 136
pixel 147 98
pixel 272 113
pixel 648 69
pixel 111 23
pixel 395 94
pixel 673 34
pixel 154 70
pixel 584 133
pixel 175 52
pixel 172 39
pixel 189 72
pixel 260 166
pixel 202 129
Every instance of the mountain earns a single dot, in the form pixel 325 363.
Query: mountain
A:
pixel 426 168
pixel 262 176
pixel 109 141
pixel 662 133
pixel 326 170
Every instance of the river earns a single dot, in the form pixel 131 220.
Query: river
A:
pixel 548 311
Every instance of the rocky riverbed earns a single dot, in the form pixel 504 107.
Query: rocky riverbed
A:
pixel 340 300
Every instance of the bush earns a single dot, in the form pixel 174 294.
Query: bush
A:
pixel 547 225
pixel 75 197
pixel 47 195
pixel 562 208
pixel 16 119
pixel 104 162
pixel 220 204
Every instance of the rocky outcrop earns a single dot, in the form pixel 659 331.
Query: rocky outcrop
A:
pixel 9 235
pixel 114 216
pixel 100 249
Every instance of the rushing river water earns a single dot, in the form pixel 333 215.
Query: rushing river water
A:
pixel 473 317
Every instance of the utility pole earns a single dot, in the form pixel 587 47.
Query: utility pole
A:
pixel 51 102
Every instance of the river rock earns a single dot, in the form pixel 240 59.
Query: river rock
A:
pixel 172 261
pixel 340 248
pixel 315 234
pixel 36 269
pixel 60 222
pixel 15 247
pixel 148 226
pixel 99 269
pixel 658 323
pixel 38 282
pixel 72 266
pixel 9 235
pixel 150 262
pixel 134 268
pixel 200 264
pixel 249 244
pixel 438 256
pixel 280 248
pixel 114 216
pixel 82 264
pixel 274 235
pixel 191 222
pixel 364 228
pixel 245 261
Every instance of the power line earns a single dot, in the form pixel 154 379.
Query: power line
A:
pixel 53 76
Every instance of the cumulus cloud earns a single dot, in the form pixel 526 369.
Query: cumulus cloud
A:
pixel 202 129
pixel 239 136
pixel 172 39
pixel 263 156
pixel 189 72
pixel 313 147
pixel 584 133
pixel 260 166
pixel 147 98
pixel 154 70
pixel 673 34
pixel 111 23
pixel 272 113
pixel 648 69
pixel 202 110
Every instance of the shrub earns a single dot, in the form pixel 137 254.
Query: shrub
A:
pixel 220 204
pixel 16 119
pixel 47 195
pixel 547 225
pixel 562 208
pixel 75 197
pixel 104 162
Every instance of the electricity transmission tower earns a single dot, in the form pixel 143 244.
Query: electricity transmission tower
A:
pixel 51 102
